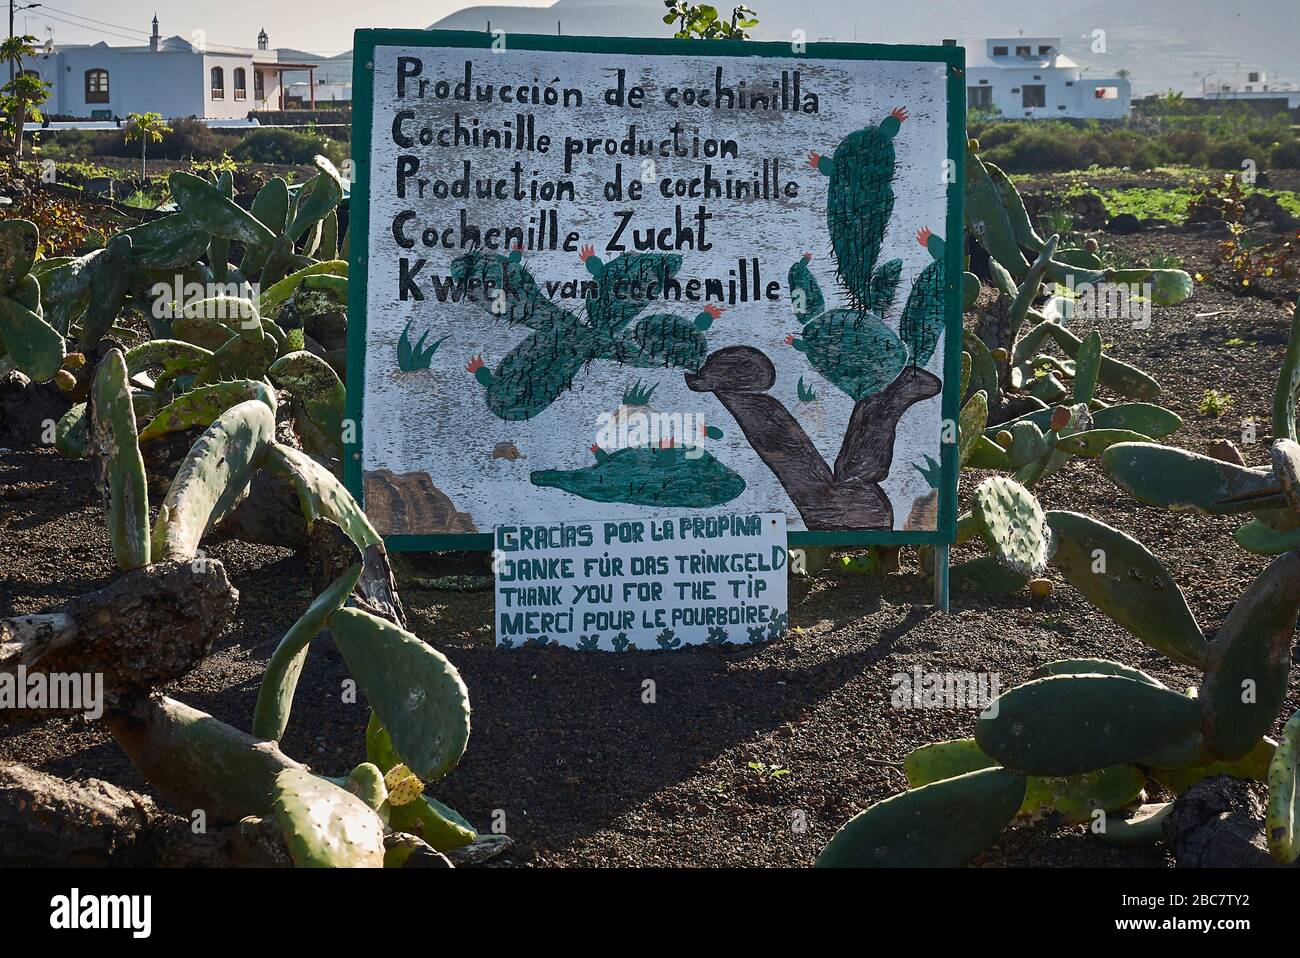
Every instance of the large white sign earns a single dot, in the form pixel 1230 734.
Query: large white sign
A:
pixel 643 583
pixel 602 285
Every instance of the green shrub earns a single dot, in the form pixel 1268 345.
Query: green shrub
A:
pixel 281 145
pixel 1229 154
pixel 1286 155
pixel 189 139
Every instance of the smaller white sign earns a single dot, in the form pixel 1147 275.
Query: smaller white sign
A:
pixel 642 583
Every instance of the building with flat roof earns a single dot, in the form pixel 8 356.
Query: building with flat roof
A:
pixel 174 76
pixel 1029 77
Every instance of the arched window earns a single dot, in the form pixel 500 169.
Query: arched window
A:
pixel 218 83
pixel 241 84
pixel 97 86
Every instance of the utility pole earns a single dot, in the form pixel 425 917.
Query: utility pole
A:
pixel 28 6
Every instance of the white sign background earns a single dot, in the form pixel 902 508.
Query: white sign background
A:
pixel 641 588
pixel 437 422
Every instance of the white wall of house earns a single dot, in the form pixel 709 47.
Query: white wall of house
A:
pixel 1027 77
pixel 174 80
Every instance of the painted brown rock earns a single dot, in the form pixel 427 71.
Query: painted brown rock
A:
pixel 507 450
pixel 409 503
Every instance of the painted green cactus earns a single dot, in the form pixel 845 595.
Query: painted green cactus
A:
pixel 859 204
pixel 922 321
pixel 857 350
pixel 686 477
pixel 542 367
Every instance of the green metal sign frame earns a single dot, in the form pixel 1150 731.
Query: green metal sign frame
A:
pixel 953 57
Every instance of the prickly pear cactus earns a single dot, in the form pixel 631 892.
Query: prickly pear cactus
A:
pixel 1012 524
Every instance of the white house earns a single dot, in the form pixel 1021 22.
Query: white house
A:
pixel 1250 84
pixel 1029 77
pixel 172 76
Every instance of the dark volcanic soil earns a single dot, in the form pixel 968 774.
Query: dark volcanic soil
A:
pixel 585 772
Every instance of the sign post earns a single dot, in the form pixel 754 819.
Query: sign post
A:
pixel 626 280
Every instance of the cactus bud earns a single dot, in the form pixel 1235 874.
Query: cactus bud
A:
pixel 65 381
pixel 74 361
pixel 1003 439
pixel 1060 418
pixel 1040 588
pixel 973 145
pixel 1000 355
pixel 1090 245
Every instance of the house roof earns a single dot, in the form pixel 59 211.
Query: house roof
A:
pixel 285 65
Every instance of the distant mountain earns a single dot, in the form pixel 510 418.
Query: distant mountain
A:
pixel 1174 44
pixel 335 69
pixel 1164 44
pixel 866 21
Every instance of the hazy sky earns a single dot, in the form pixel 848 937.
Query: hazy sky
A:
pixel 320 26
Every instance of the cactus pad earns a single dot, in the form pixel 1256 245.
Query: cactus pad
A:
pixel 19 241
pixel 1283 816
pixel 1249 661
pixel 326 826
pixel 1286 469
pixel 1120 577
pixel 280 680
pixel 416 693
pixel 944 824
pixel 212 479
pixel 1177 479
pixel 1012 524
pixel 113 436
pixel 1073 724
pixel 201 406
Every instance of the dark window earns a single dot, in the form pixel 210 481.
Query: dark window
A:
pixel 1023 51
pixel 241 86
pixel 1035 94
pixel 979 97
pixel 96 86
pixel 1044 51
pixel 259 86
pixel 999 51
pixel 218 83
